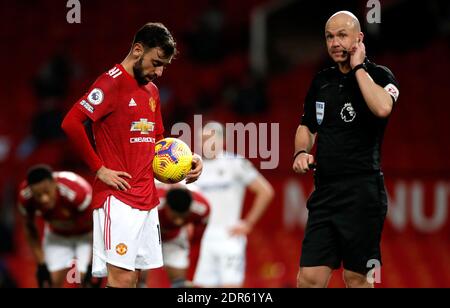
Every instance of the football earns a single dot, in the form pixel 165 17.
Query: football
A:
pixel 172 161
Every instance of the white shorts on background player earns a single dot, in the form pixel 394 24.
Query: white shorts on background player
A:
pixel 176 251
pixel 125 237
pixel 221 262
pixel 60 251
pixel 223 182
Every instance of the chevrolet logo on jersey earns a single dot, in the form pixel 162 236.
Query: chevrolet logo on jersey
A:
pixel 143 126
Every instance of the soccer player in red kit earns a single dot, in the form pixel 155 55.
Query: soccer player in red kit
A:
pixel 124 108
pixel 63 200
pixel 183 214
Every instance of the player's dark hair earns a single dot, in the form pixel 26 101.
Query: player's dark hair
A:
pixel 39 173
pixel 153 35
pixel 179 199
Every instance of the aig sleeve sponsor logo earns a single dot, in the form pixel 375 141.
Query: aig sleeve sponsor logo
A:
pixel 87 106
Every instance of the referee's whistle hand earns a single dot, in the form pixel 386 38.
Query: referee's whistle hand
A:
pixel 302 163
pixel 357 54
pixel 114 179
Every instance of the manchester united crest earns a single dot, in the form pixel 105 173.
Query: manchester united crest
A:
pixel 152 104
pixel 121 249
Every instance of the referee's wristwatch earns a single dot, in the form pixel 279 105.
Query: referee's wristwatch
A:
pixel 362 65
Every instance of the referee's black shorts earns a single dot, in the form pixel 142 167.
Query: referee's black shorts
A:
pixel 345 221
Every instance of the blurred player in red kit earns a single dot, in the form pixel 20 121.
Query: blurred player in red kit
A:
pixel 183 214
pixel 123 106
pixel 63 200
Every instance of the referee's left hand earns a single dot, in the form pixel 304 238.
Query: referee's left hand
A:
pixel 302 163
pixel 197 168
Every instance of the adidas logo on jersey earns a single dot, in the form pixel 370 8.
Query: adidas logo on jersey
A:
pixel 132 103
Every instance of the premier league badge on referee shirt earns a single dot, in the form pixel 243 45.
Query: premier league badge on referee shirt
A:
pixel 320 112
pixel 348 113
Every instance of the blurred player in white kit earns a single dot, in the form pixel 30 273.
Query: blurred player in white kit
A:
pixel 224 181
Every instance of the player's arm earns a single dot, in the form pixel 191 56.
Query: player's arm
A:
pixel 85 203
pixel 304 142
pixel 73 126
pixel 83 193
pixel 377 98
pixel 306 132
pixel 264 194
pixel 32 236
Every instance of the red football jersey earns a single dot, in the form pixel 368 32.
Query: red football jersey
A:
pixel 126 120
pixel 198 216
pixel 72 213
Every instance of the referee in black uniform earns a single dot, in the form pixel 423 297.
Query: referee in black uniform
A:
pixel 347 109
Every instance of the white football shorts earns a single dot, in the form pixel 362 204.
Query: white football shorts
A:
pixel 221 263
pixel 125 237
pixel 176 251
pixel 60 251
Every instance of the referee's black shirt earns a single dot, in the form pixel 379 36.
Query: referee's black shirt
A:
pixel 349 135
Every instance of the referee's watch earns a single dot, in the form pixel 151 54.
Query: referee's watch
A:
pixel 362 65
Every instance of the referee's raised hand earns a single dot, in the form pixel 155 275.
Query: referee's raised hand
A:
pixel 357 54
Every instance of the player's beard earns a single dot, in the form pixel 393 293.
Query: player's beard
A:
pixel 139 75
